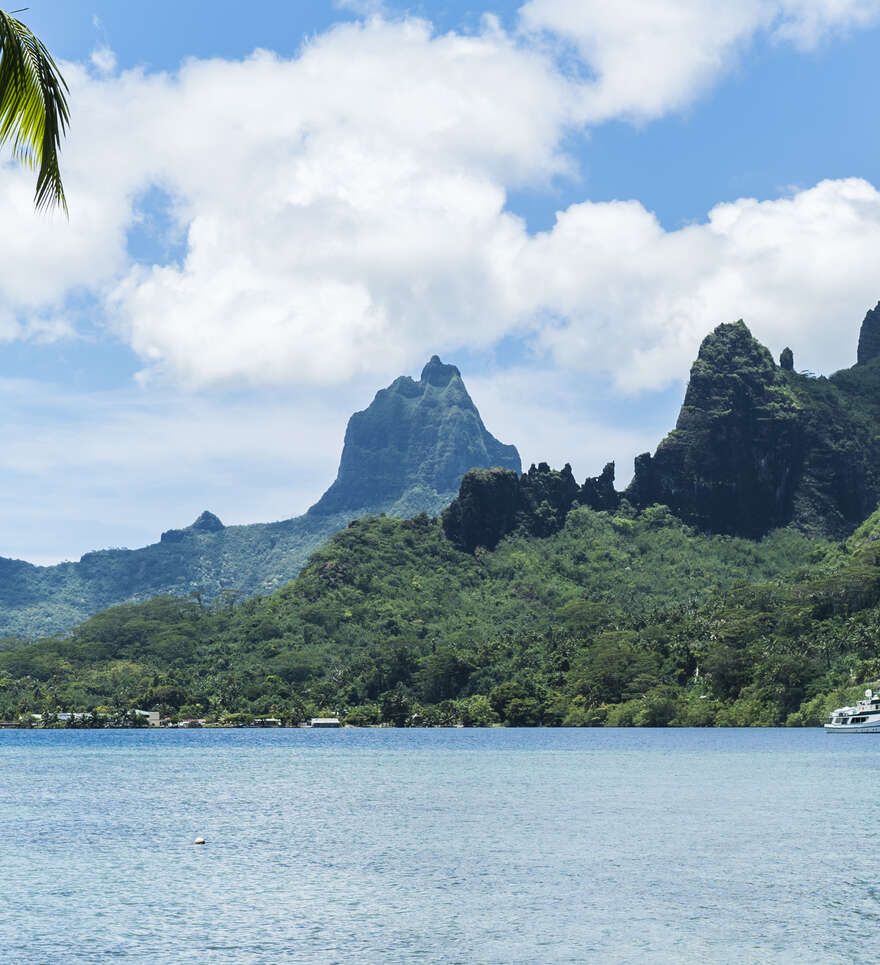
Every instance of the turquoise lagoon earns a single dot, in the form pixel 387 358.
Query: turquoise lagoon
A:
pixel 442 846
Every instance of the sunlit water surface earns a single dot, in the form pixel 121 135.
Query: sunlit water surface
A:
pixel 446 846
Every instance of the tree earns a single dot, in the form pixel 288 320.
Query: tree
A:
pixel 396 707
pixel 33 107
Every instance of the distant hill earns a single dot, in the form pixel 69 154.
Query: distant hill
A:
pixel 403 455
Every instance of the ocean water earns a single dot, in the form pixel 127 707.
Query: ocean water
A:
pixel 438 846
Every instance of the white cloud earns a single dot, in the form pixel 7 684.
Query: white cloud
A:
pixel 320 237
pixel 648 57
pixel 103 59
pixel 46 259
pixel 344 211
pixel 634 300
pixel 808 22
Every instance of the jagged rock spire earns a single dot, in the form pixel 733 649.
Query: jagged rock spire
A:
pixel 736 454
pixel 437 374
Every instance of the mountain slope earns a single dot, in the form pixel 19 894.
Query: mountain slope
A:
pixel 404 454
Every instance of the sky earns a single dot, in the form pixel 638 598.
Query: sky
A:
pixel 276 210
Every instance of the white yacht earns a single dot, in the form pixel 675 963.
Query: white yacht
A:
pixel 864 718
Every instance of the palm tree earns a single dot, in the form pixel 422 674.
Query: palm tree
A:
pixel 33 109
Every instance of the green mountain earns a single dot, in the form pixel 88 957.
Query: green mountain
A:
pixel 405 454
pixel 758 446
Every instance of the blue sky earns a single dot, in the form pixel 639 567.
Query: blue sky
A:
pixel 561 196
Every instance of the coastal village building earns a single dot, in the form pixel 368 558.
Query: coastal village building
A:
pixel 151 715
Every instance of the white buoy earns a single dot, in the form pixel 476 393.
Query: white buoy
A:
pixel 199 841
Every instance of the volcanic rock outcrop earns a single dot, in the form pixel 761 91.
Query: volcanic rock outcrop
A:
pixel 492 503
pixel 758 446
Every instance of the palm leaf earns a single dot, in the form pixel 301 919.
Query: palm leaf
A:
pixel 33 108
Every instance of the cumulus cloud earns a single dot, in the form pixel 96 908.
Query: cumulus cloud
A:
pixel 628 298
pixel 319 237
pixel 345 210
pixel 647 58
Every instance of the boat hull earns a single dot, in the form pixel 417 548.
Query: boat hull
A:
pixel 869 727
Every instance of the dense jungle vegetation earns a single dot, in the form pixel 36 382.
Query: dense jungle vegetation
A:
pixel 617 618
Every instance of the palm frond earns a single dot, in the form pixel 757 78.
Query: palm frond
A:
pixel 33 108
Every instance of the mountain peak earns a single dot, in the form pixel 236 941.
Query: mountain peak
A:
pixel 408 451
pixel 437 374
pixel 208 523
pixel 730 365
pixel 733 461
pixel 758 446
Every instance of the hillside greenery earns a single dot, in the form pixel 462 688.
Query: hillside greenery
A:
pixel 617 618
pixel 532 599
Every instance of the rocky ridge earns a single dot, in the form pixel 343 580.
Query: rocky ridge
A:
pixel 756 446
